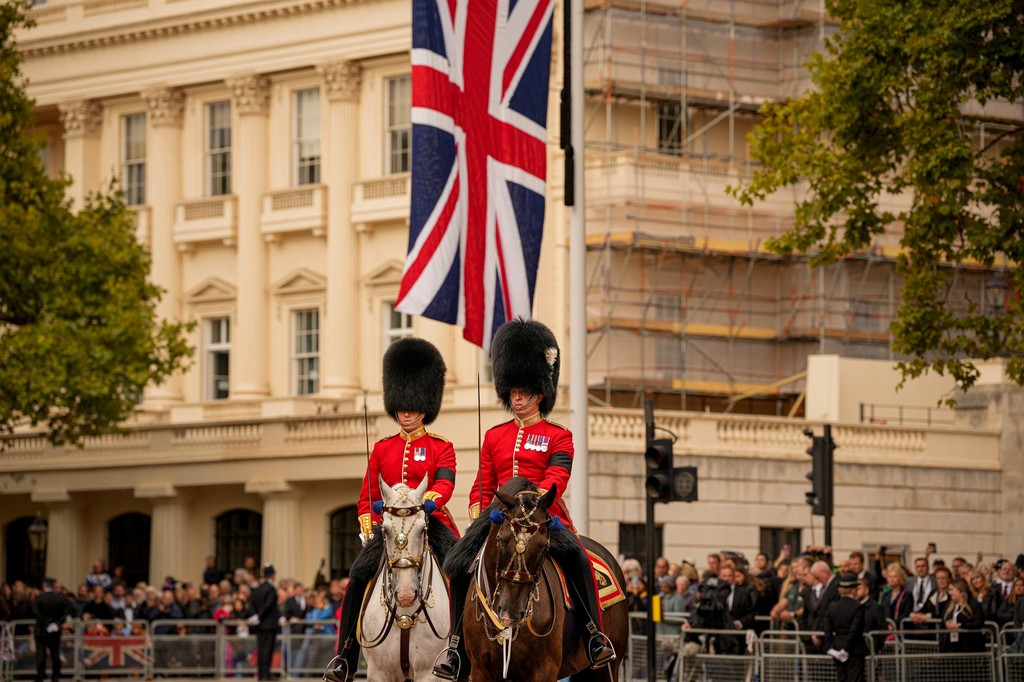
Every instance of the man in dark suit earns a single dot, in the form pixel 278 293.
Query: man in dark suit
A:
pixel 858 566
pixel 735 605
pixel 828 592
pixel 295 609
pixel 50 611
pixel 266 621
pixel 844 631
pixel 874 614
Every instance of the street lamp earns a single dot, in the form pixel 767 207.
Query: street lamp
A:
pixel 37 539
pixel 996 292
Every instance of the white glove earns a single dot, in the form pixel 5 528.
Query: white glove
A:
pixel 364 538
pixel 253 620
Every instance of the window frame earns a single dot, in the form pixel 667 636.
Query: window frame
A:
pixel 210 350
pixel 310 173
pixel 132 166
pixel 670 128
pixel 397 130
pixel 211 153
pixel 389 332
pixel 299 377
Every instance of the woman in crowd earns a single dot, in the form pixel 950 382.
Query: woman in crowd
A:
pixel 964 621
pixel 896 602
pixel 790 605
pixel 981 590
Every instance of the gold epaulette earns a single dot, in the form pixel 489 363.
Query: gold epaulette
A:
pixel 381 440
pixel 556 424
pixel 440 438
pixel 431 495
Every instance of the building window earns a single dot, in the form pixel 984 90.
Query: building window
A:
pixel 133 158
pixel 218 358
pixel 306 137
pixel 670 128
pixel 44 154
pixel 774 539
pixel 128 537
pixel 396 324
pixel 306 351
pixel 239 534
pixel 218 148
pixel 20 562
pixel 399 124
pixel 345 543
pixel 633 543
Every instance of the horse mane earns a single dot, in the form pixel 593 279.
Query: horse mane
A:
pixel 461 557
pixel 440 538
pixel 366 564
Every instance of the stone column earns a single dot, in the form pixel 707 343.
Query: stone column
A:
pixel 281 525
pixel 251 103
pixel 165 111
pixel 168 541
pixel 82 120
pixel 65 543
pixel 342 81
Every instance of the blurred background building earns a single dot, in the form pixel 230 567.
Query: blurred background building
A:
pixel 264 147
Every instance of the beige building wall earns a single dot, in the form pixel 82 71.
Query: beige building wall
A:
pixel 272 248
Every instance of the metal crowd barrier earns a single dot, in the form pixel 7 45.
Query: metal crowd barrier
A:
pixel 898 655
pixel 112 649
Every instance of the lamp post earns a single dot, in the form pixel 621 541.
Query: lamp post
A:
pixel 37 540
pixel 996 294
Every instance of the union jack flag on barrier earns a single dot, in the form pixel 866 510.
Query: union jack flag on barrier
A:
pixel 479 114
pixel 115 652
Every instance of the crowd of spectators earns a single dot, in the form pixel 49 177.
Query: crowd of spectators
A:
pixel 120 608
pixel 795 591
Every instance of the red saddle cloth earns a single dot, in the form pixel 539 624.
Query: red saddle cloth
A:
pixel 609 591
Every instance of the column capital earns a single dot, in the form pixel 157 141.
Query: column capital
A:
pixel 250 94
pixel 342 79
pixel 81 117
pixel 165 106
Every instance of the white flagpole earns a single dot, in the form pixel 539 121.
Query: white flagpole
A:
pixel 579 483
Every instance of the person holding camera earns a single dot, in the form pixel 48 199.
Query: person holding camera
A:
pixel 724 605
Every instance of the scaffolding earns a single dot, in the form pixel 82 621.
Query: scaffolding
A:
pixel 684 302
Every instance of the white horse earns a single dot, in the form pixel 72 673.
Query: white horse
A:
pixel 405 619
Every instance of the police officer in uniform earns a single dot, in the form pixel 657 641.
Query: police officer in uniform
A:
pixel 526 361
pixel 844 631
pixel 413 382
pixel 50 611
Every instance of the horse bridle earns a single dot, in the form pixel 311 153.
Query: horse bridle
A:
pixel 516 570
pixel 404 622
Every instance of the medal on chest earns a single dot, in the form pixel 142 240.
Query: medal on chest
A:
pixel 537 442
pixel 419 454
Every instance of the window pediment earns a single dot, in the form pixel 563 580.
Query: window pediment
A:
pixel 212 290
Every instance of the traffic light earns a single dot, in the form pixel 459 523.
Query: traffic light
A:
pixel 820 475
pixel 659 469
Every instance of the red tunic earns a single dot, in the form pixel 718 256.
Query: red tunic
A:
pixel 541 452
pixel 400 459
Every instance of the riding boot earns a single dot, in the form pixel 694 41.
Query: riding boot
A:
pixel 348 644
pixel 580 575
pixel 453 663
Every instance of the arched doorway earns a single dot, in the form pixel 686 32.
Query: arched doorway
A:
pixel 128 539
pixel 345 543
pixel 239 534
pixel 21 562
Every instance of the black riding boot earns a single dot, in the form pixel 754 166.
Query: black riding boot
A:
pixel 347 660
pixel 453 663
pixel 578 572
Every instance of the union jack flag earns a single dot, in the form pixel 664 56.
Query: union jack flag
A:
pixel 115 652
pixel 479 113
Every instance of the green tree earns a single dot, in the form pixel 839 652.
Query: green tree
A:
pixel 891 114
pixel 79 334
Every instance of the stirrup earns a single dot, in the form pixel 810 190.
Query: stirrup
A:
pixel 604 643
pixel 450 668
pixel 339 672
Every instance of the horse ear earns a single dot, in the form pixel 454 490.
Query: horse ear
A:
pixel 506 501
pixel 549 498
pixel 385 490
pixel 420 489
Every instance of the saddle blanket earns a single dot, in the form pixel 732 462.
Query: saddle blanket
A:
pixel 609 592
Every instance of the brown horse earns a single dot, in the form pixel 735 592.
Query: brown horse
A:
pixel 516 626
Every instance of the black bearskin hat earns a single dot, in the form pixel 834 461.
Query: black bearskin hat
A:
pixel 413 378
pixel 525 355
